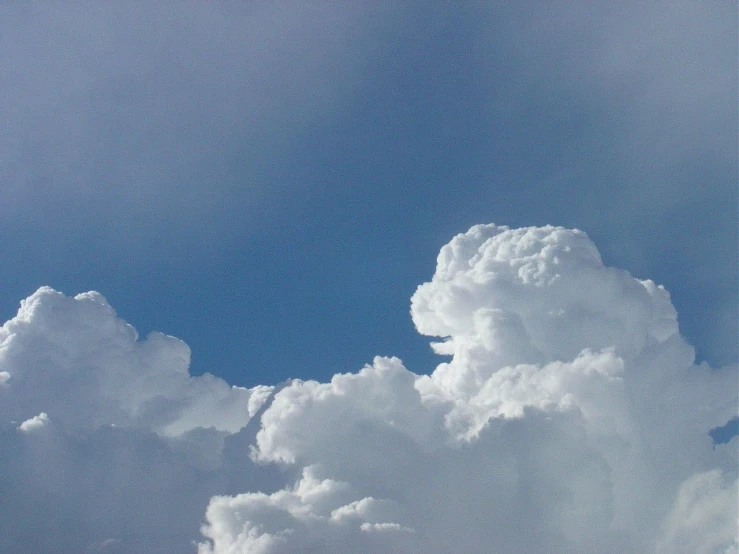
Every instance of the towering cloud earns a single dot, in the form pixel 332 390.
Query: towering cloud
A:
pixel 569 417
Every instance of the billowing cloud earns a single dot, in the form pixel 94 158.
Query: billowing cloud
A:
pixel 74 358
pixel 118 448
pixel 569 417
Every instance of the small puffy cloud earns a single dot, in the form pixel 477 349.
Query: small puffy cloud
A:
pixel 570 416
pixel 35 423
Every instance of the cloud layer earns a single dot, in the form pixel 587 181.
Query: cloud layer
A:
pixel 569 417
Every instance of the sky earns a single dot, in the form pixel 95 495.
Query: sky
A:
pixel 291 190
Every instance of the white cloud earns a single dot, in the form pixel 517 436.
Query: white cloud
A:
pixel 314 513
pixel 137 445
pixel 571 417
pixel 74 358
pixel 704 517
pixel 35 423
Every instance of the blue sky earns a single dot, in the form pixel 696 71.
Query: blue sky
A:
pixel 270 183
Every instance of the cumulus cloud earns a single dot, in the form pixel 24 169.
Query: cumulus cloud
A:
pixel 73 358
pixel 133 443
pixel 704 516
pixel 36 422
pixel 570 416
pixel 312 512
